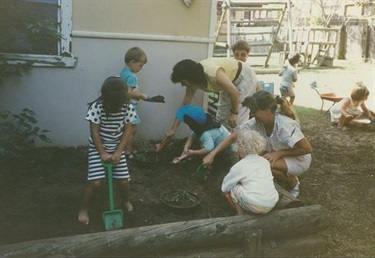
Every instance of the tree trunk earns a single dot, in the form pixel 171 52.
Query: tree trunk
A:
pixel 176 236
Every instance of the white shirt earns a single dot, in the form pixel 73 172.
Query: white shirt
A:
pixel 254 173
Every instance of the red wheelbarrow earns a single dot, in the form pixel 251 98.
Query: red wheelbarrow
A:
pixel 329 96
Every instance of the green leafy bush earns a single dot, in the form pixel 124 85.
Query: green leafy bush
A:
pixel 18 133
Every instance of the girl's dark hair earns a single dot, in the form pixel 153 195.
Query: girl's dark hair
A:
pixel 189 70
pixel 294 59
pixel 114 93
pixel 262 100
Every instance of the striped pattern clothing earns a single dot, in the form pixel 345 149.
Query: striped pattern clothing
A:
pixel 111 130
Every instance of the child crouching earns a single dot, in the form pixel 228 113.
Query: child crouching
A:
pixel 249 182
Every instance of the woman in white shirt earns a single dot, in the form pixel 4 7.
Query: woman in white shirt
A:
pixel 287 150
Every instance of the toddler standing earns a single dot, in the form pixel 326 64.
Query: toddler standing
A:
pixel 135 59
pixel 289 77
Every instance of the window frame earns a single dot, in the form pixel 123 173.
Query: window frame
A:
pixel 64 58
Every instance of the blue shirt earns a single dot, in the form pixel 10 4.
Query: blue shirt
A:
pixel 131 81
pixel 212 138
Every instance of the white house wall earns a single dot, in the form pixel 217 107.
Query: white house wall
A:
pixel 59 96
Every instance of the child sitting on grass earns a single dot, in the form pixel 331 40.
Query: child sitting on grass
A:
pixel 352 107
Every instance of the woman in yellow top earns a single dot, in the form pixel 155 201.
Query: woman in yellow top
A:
pixel 232 79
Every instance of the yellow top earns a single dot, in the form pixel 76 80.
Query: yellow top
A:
pixel 210 67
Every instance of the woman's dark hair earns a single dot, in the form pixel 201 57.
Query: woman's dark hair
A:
pixel 262 100
pixel 189 70
pixel 114 93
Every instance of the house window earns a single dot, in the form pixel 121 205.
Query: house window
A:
pixel 37 31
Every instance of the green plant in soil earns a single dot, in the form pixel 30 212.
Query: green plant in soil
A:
pixel 182 197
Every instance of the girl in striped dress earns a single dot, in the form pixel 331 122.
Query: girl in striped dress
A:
pixel 110 117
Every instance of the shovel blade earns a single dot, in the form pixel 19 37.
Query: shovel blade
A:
pixel 113 219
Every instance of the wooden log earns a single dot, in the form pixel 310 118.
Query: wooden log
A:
pixel 301 246
pixel 253 244
pixel 175 236
pixel 286 200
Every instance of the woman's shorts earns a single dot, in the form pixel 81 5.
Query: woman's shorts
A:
pixel 297 165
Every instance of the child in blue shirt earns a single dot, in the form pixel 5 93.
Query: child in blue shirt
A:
pixel 208 132
pixel 135 59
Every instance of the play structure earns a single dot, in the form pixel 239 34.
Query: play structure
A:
pixel 317 46
pixel 257 22
pixel 267 26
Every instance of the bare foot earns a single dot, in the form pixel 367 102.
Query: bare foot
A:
pixel 344 128
pixel 83 216
pixel 128 206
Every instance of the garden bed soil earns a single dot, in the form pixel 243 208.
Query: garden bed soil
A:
pixel 40 194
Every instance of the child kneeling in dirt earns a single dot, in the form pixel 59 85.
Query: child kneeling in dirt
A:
pixel 208 132
pixel 249 184
pixel 352 107
pixel 110 118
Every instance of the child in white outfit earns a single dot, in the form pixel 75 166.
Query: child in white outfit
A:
pixel 250 182
pixel 350 108
pixel 289 77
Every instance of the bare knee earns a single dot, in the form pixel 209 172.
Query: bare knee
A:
pixel 96 183
pixel 123 183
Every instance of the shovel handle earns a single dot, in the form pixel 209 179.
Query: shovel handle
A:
pixel 108 166
pixel 178 159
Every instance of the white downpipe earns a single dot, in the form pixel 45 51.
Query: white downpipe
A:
pixel 290 27
pixel 150 37
pixel 211 45
pixel 229 24
pixel 212 29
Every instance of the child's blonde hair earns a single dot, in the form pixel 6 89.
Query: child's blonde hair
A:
pixel 136 54
pixel 359 92
pixel 250 142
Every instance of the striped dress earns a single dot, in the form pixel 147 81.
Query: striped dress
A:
pixel 111 130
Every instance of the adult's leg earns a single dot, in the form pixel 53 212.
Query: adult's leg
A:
pixel 280 171
pixel 91 189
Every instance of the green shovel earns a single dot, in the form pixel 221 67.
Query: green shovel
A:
pixel 113 219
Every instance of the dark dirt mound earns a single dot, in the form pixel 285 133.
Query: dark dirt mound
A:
pixel 41 193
